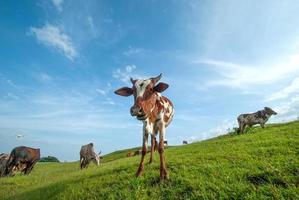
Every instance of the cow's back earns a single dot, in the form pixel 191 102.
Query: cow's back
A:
pixel 25 154
pixel 249 118
pixel 87 151
pixel 168 109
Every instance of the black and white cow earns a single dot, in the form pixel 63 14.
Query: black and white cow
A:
pixel 87 154
pixel 250 119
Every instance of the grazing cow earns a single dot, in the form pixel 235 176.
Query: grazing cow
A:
pixel 130 154
pixel 259 117
pixel 138 152
pixel 165 143
pixel 3 160
pixel 185 142
pixel 87 154
pixel 22 158
pixel 156 113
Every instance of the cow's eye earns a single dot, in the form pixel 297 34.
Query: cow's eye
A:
pixel 141 84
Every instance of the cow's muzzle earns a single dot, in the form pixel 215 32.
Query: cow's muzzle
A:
pixel 138 112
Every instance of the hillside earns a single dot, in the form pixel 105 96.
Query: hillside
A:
pixel 260 164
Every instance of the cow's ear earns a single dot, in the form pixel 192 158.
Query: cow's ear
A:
pixel 161 87
pixel 124 91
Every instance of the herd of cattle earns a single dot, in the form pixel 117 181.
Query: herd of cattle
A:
pixel 151 108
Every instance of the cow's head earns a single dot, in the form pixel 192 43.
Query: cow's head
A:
pixel 96 159
pixel 269 111
pixel 144 98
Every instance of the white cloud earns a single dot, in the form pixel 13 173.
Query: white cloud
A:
pixel 288 108
pixel 58 4
pixel 91 25
pixel 45 77
pixel 124 75
pixel 133 51
pixel 101 92
pixel 8 81
pixel 108 101
pixel 285 92
pixel 11 96
pixel 52 36
pixel 66 110
pixel 224 127
pixel 244 76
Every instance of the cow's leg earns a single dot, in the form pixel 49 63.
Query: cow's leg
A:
pixel 153 144
pixel 31 165
pixel 240 126
pixel 144 149
pixel 163 170
pixel 22 168
pixel 152 148
pixel 81 162
pixel 26 170
pixel 86 163
pixel 243 126
pixel 10 165
pixel 156 145
pixel 14 164
pixel 28 167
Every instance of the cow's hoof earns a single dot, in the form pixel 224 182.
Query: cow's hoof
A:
pixel 163 178
pixel 164 175
pixel 138 173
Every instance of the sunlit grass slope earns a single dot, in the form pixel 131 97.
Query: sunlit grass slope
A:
pixel 261 164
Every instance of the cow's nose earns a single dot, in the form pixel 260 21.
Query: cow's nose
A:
pixel 136 110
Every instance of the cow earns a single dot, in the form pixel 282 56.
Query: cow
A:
pixel 3 160
pixel 154 111
pixel 130 154
pixel 87 154
pixel 138 152
pixel 250 119
pixel 165 143
pixel 3 163
pixel 185 142
pixel 22 158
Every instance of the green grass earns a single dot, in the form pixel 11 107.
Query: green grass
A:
pixel 262 164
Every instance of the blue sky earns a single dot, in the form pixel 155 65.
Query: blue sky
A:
pixel 61 60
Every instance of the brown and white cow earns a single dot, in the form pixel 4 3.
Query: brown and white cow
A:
pixel 156 113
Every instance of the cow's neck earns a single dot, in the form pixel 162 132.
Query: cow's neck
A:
pixel 150 108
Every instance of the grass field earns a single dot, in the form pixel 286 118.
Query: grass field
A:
pixel 261 164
